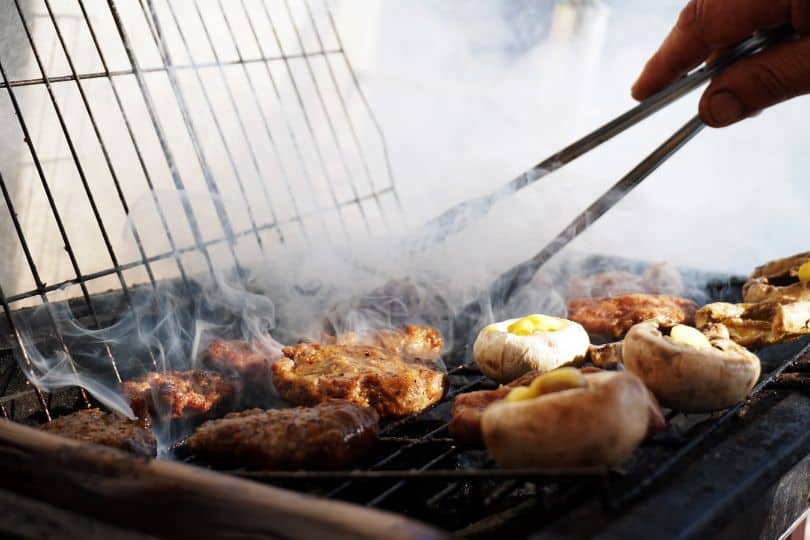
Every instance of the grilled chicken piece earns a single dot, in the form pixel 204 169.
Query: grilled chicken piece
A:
pixel 607 356
pixel 465 424
pixel 613 317
pixel 366 375
pixel 107 429
pixel 659 278
pixel 758 325
pixel 331 435
pixel 179 393
pixel 247 364
pixel 422 343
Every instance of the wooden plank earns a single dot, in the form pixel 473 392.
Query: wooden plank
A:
pixel 172 500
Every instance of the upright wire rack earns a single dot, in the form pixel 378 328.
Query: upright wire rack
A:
pixel 251 109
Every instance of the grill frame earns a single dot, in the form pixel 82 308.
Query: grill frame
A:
pixel 505 492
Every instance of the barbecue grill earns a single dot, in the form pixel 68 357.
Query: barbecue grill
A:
pixel 268 108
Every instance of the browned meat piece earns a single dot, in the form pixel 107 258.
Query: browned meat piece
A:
pixel 179 393
pixel 369 376
pixel 107 429
pixel 607 356
pixel 465 423
pixel 659 278
pixel 330 435
pixel 613 317
pixel 247 364
pixel 414 342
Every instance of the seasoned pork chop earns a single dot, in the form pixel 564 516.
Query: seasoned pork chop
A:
pixel 107 429
pixel 366 375
pixel 330 435
pixel 414 342
pixel 465 424
pixel 613 317
pixel 179 393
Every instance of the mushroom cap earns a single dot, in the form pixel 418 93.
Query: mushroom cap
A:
pixel 504 356
pixel 778 280
pixel 582 427
pixel 688 379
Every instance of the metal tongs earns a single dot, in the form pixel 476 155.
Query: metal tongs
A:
pixel 459 216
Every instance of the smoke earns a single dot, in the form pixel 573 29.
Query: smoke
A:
pixel 467 103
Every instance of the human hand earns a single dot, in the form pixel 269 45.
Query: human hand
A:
pixel 706 28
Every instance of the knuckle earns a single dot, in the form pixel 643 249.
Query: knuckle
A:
pixel 770 79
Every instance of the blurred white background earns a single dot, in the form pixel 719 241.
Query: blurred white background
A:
pixel 470 93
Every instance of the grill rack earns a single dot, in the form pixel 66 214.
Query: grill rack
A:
pixel 307 75
pixel 509 494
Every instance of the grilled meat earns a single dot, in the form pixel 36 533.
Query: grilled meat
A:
pixel 465 424
pixel 330 435
pixel 422 343
pixel 179 393
pixel 107 429
pixel 607 356
pixel 247 364
pixel 613 317
pixel 366 375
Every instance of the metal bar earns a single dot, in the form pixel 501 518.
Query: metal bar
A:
pixel 369 110
pixel 422 472
pixel 49 195
pixel 161 69
pixel 376 501
pixel 169 254
pixel 136 147
pixel 23 351
pixel 108 161
pixel 347 116
pixel 157 35
pixel 207 98
pixel 159 132
pixel 307 121
pixel 330 124
pixel 265 121
pixel 460 216
pixel 240 121
pixel 683 453
pixel 515 278
pixel 40 286
pixel 277 92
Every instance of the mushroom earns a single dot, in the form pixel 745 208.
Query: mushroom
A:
pixel 782 280
pixel 688 371
pixel 570 419
pixel 760 324
pixel 506 350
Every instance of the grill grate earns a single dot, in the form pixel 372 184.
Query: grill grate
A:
pixel 128 100
pixel 97 90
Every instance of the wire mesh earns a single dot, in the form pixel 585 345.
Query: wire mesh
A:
pixel 249 109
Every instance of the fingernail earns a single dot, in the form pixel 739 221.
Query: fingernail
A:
pixel 724 109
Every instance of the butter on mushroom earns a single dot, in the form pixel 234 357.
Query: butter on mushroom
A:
pixel 506 350
pixel 570 419
pixel 688 370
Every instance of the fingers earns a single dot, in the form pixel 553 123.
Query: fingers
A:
pixel 755 83
pixel 705 25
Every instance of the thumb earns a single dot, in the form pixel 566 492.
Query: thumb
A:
pixel 754 83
